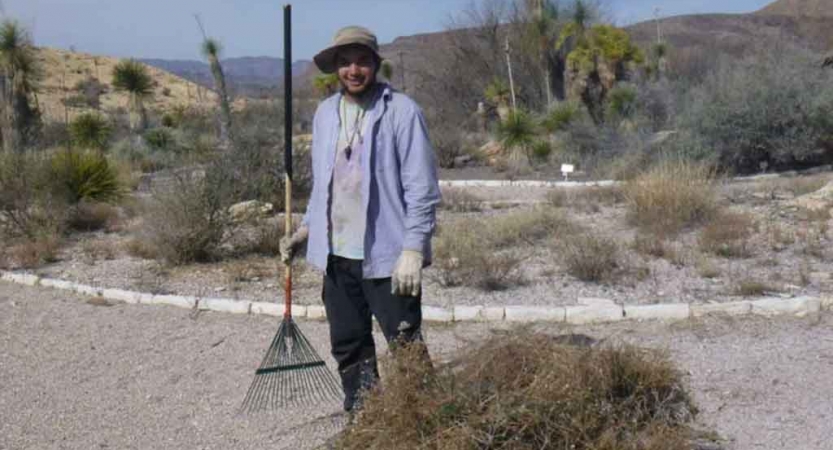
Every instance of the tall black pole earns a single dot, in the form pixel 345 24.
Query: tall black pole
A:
pixel 287 87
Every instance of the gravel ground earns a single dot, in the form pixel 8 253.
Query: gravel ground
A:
pixel 80 376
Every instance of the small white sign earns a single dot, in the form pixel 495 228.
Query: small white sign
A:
pixel 567 168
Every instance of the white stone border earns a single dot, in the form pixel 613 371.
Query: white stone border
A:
pixel 586 312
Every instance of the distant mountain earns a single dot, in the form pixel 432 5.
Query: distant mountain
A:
pixel 245 72
pixel 800 8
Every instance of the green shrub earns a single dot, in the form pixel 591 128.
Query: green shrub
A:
pixel 80 175
pixel 160 139
pixel 560 116
pixel 517 133
pixel 621 102
pixel 90 131
pixel 768 111
pixel 29 207
pixel 541 150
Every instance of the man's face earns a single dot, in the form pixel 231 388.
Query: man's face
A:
pixel 356 69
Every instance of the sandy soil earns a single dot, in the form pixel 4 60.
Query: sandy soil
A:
pixel 80 376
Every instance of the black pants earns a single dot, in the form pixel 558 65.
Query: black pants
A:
pixel 350 302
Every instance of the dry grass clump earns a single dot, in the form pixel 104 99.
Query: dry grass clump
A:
pixel 190 222
pixel 93 251
pixel 671 196
pixel 460 200
pixel 528 391
pixel 749 287
pixel 464 255
pixel 526 227
pixel 589 257
pixel 653 245
pixel 92 216
pixel 728 235
pixel 32 253
pixel 587 199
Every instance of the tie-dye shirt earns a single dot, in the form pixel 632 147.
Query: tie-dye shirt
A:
pixel 347 214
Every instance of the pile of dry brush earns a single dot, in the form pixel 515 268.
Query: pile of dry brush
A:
pixel 529 391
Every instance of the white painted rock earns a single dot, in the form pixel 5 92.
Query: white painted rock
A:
pixel 268 309
pixel 798 306
pixel 225 305
pixel 670 311
pixel 729 309
pixel 436 314
pixel 535 314
pixel 594 314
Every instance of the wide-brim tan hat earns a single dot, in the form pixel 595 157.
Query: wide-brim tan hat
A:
pixel 353 35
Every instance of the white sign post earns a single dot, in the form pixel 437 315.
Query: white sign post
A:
pixel 566 170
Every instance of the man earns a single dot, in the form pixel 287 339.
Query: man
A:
pixel 371 213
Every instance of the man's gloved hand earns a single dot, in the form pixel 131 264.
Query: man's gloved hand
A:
pixel 407 274
pixel 289 245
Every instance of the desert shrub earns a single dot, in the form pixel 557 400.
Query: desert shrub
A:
pixel 92 216
pixel 32 253
pixel 91 90
pixel 161 140
pixel 561 115
pixel 670 196
pixel 465 257
pixel 590 257
pixel 652 245
pixel 769 110
pixel 460 200
pixel 90 131
pixel 82 175
pixel 656 104
pixel 749 287
pixel 528 391
pixel 541 150
pixel 447 143
pixel 29 207
pixel 585 199
pixel 526 227
pixel 621 102
pixel 190 221
pixel 93 251
pixel 727 235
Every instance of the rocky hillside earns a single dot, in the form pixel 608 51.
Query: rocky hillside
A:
pixel 241 73
pixel 799 8
pixel 70 80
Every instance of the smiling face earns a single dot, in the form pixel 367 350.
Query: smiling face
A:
pixel 356 71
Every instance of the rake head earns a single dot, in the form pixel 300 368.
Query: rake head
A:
pixel 291 374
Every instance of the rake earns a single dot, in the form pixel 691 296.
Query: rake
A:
pixel 291 374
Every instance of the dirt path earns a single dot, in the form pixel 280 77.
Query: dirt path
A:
pixel 78 376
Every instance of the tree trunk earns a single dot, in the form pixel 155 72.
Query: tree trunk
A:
pixel 224 117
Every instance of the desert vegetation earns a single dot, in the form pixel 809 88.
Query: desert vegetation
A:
pixel 193 189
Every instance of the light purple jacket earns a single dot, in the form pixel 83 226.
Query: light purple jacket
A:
pixel 399 183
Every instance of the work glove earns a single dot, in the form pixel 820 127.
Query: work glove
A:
pixel 407 274
pixel 289 245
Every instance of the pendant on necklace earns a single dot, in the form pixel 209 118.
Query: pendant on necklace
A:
pixel 348 151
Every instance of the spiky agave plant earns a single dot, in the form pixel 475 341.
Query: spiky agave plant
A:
pixel 517 134
pixel 20 74
pixel 132 77
pixel 211 50
pixel 386 69
pixel 90 131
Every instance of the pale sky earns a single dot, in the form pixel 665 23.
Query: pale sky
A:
pixel 167 29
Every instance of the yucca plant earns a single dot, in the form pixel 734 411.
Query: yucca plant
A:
pixel 90 131
pixel 211 50
pixel 325 84
pixel 498 94
pixel 517 134
pixel 132 77
pixel 20 72
pixel 83 175
pixel 386 69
